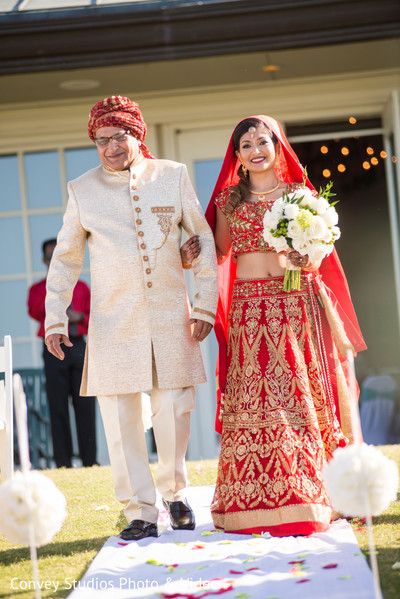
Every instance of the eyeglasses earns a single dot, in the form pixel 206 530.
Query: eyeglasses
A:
pixel 102 142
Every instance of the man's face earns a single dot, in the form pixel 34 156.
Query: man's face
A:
pixel 48 253
pixel 117 154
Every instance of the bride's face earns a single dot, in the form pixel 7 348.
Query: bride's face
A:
pixel 257 150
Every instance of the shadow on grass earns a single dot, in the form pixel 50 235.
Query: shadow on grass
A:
pixel 390 579
pixel 392 519
pixel 13 556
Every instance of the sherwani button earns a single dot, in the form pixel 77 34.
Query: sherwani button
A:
pixel 148 271
pixel 137 209
pixel 138 221
pixel 143 246
pixel 149 284
pixel 136 198
pixel 146 258
pixel 140 233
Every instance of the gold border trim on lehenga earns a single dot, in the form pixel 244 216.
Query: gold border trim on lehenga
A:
pixel 274 517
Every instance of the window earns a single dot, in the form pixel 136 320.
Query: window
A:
pixel 32 202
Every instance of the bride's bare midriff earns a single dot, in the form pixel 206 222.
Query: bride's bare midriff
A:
pixel 259 265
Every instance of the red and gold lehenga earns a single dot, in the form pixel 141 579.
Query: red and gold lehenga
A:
pixel 282 406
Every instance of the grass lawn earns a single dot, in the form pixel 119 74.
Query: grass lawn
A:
pixel 94 515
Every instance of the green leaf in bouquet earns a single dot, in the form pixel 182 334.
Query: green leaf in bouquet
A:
pixel 327 193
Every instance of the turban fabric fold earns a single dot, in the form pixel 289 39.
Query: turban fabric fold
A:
pixel 119 111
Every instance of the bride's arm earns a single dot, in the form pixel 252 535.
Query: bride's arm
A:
pixel 222 236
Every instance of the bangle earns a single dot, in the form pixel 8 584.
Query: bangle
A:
pixel 186 265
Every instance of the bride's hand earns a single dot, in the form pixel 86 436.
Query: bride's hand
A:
pixel 302 262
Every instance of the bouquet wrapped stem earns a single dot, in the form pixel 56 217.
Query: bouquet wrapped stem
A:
pixel 305 221
pixel 292 278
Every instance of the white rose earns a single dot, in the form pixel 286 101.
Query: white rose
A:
pixel 308 197
pixel 322 205
pixel 271 220
pixel 279 244
pixel 318 229
pixel 291 211
pixel 317 251
pixel 335 232
pixel 301 245
pixel 331 217
pixel 267 235
pixel 278 207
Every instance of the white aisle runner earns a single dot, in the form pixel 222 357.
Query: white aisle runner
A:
pixel 206 563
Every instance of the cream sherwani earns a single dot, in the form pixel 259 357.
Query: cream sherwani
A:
pixel 132 222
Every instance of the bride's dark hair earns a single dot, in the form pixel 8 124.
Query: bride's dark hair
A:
pixel 241 191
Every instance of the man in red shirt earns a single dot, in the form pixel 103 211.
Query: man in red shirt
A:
pixel 63 378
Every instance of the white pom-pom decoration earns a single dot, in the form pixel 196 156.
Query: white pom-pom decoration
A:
pixel 31 497
pixel 361 480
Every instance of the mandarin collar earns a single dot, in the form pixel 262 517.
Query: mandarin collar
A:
pixel 126 173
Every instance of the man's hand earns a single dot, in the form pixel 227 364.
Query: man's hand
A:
pixel 201 329
pixel 53 343
pixel 190 251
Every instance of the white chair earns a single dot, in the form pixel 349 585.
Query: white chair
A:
pixel 6 412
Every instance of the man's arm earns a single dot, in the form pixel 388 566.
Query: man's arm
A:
pixel 64 271
pixel 205 266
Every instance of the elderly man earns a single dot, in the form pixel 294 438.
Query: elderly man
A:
pixel 131 210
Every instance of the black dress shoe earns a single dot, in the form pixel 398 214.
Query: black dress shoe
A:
pixel 139 529
pixel 181 514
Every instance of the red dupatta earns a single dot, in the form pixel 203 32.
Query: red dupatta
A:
pixel 289 170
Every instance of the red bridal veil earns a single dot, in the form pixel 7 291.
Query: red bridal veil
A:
pixel 289 170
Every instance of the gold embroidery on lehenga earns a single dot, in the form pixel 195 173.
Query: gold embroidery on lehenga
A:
pixel 278 424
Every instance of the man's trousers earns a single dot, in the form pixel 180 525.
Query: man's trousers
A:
pixel 123 425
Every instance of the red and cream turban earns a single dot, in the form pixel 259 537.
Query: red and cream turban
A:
pixel 119 111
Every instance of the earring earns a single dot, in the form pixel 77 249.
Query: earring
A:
pixel 244 169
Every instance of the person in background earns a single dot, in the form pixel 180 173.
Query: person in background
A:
pixel 63 378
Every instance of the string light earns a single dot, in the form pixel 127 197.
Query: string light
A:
pixel 383 154
pixel 271 68
pixel 366 165
pixel 345 151
pixel 324 149
pixel 370 150
pixel 394 159
pixel 352 120
pixel 374 161
pixel 341 167
pixel 326 172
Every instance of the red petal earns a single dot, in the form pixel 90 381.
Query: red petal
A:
pixel 329 566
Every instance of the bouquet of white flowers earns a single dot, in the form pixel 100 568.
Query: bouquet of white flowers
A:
pixel 303 220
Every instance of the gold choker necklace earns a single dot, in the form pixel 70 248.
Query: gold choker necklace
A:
pixel 261 194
